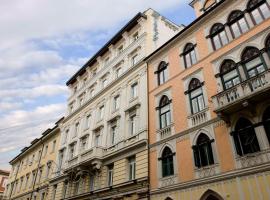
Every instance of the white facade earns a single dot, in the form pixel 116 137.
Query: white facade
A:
pixel 107 108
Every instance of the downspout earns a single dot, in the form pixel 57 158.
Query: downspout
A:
pixel 148 134
pixel 35 178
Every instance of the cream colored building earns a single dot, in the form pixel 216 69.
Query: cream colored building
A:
pixel 103 151
pixel 34 167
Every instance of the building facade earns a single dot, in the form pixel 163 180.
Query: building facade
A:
pixel 3 182
pixel 104 140
pixel 34 167
pixel 209 105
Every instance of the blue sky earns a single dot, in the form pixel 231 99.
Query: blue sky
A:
pixel 43 45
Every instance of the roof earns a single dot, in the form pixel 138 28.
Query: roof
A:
pixel 35 141
pixel 197 20
pixel 118 36
pixel 4 172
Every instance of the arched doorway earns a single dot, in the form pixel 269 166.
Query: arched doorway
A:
pixel 211 195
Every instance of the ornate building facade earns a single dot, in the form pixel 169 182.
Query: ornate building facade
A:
pixel 34 167
pixel 209 107
pixel 103 153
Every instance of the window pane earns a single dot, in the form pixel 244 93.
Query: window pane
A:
pixel 223 37
pixel 194 105
pixel 230 75
pixel 257 16
pixel 265 10
pixel 243 25
pixel 253 63
pixel 217 42
pixel 235 29
pixel 188 61
pixel 193 57
pixel 201 102
pixel 196 92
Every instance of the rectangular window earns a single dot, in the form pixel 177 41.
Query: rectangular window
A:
pixel 77 125
pixel 135 60
pixel 132 124
pixel 101 112
pixel 91 183
pixel 60 159
pixel 97 139
pixel 110 175
pixel 54 192
pixel 120 49
pixel 87 121
pixel 113 134
pixel 131 168
pixel 83 144
pixel 135 36
pixel 40 175
pixel 53 146
pixel 116 103
pixel 72 150
pixel 65 137
pixel 134 90
pixel 43 196
pixel 65 190
pixel 118 72
pixel 48 171
pixel 26 181
pixel 104 83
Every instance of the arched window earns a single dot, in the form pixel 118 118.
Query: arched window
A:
pixel 218 36
pixel 167 162
pixel 196 96
pixel 237 23
pixel 189 55
pixel 164 112
pixel 229 74
pixel 162 72
pixel 259 10
pixel 266 122
pixel 245 138
pixel 203 154
pixel 253 61
pixel 267 45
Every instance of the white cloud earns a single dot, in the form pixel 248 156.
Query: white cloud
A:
pixel 5 106
pixel 46 18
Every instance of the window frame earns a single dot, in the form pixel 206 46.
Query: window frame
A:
pixel 257 7
pixel 216 31
pixel 229 69
pixel 162 72
pixel 235 20
pixel 242 131
pixel 167 113
pixel 187 54
pixel 245 59
pixel 203 147
pixel 192 89
pixel 167 162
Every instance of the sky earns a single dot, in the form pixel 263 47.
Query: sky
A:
pixel 42 44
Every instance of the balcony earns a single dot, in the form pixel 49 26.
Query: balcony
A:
pixel 198 118
pixel 165 132
pixel 86 157
pixel 248 92
pixel 253 159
